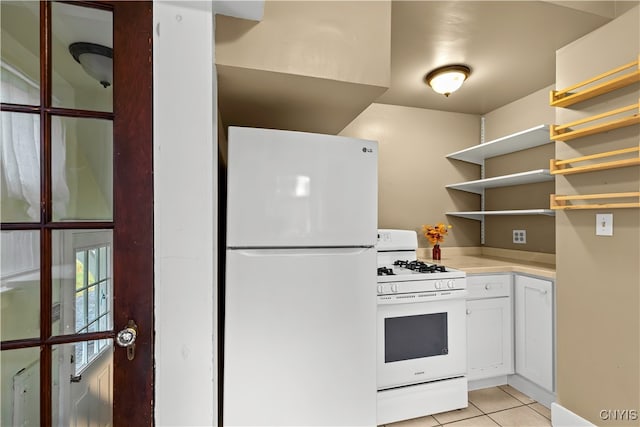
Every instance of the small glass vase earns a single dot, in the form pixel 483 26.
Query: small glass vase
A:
pixel 435 253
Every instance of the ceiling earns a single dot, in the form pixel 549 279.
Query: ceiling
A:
pixel 509 45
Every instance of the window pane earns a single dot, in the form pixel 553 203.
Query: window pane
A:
pixel 103 298
pixel 92 312
pixel 20 52
pixel 20 161
pixel 81 266
pixel 104 264
pixel 80 310
pixel 103 323
pixel 87 401
pixel 82 166
pixel 20 388
pixel 93 266
pixel 80 354
pixel 20 284
pixel 78 84
pixel 74 258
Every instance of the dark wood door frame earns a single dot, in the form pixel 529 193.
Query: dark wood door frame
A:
pixel 133 208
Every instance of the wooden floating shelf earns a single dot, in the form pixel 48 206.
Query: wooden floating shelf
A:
pixel 565 98
pixel 558 202
pixel 561 167
pixel 529 138
pixel 477 186
pixel 479 215
pixel 565 133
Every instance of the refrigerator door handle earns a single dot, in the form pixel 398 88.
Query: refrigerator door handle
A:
pixel 302 251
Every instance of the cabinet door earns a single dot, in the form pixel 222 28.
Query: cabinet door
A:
pixel 489 338
pixel 534 330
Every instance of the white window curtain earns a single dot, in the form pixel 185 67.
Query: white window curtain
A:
pixel 20 148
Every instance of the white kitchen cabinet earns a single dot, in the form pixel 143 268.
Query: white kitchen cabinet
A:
pixel 489 326
pixel 534 330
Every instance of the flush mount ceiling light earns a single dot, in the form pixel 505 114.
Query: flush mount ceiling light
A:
pixel 448 79
pixel 96 60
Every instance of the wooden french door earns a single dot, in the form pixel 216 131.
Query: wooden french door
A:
pixel 77 213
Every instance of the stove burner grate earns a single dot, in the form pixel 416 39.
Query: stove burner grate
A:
pixel 385 271
pixel 420 266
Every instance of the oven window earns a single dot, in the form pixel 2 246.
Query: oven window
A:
pixel 414 337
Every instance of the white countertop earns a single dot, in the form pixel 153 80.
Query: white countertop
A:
pixel 491 260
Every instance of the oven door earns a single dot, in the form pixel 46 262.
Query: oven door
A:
pixel 420 342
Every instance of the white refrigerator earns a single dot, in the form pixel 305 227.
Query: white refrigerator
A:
pixel 300 280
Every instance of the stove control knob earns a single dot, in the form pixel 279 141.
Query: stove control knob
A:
pixel 394 288
pixel 439 284
pixel 379 289
pixel 450 284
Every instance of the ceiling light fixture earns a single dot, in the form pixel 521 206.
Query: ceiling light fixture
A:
pixel 448 79
pixel 96 60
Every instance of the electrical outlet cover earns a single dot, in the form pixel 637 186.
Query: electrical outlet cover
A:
pixel 520 236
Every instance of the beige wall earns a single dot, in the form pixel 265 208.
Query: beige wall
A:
pixel 413 170
pixel 309 66
pixel 598 278
pixel 525 113
pixel 346 41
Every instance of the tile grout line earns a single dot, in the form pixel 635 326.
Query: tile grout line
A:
pixel 534 409
pixel 504 409
pixel 516 397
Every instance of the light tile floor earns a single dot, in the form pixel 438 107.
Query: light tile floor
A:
pixel 496 406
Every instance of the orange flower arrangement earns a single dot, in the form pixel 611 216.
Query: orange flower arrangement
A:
pixel 435 234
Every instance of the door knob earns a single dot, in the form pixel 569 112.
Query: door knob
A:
pixel 127 338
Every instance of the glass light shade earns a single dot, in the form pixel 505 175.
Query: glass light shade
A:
pixel 446 80
pixel 96 60
pixel 97 66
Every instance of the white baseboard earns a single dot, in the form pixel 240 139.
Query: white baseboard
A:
pixel 532 390
pixel 562 417
pixel 487 382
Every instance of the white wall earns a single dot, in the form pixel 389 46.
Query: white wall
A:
pixel 185 193
pixel 185 207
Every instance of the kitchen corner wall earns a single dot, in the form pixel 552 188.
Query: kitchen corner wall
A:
pixel 309 66
pixel 525 113
pixel 598 278
pixel 413 169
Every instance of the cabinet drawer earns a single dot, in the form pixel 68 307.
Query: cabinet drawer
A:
pixel 488 286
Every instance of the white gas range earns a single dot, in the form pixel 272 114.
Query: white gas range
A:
pixel 421 324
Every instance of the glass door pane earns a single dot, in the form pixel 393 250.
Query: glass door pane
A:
pixel 82 168
pixel 19 284
pixel 82 285
pixel 82 390
pixel 20 160
pixel 20 387
pixel 82 58
pixel 20 52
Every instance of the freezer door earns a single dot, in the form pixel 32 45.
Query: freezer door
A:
pixel 295 189
pixel 300 338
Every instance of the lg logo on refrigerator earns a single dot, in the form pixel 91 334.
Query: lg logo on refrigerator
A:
pixel 367 150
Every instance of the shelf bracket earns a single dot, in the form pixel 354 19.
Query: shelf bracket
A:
pixel 482 176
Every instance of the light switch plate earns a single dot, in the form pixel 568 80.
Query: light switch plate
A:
pixel 604 224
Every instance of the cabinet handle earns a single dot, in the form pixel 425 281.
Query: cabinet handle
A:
pixel 468 311
pixel 487 286
pixel 542 291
